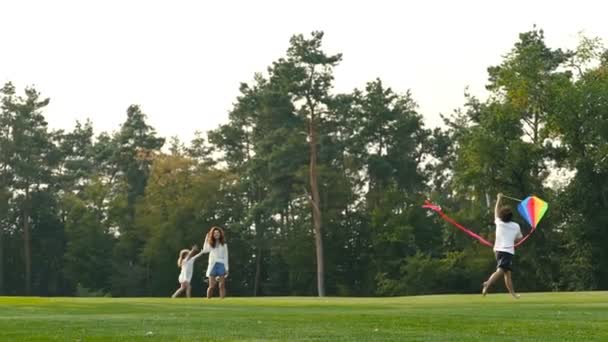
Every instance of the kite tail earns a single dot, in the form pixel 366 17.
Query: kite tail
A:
pixel 472 234
pixel 525 237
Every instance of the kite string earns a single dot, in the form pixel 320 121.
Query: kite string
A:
pixel 513 198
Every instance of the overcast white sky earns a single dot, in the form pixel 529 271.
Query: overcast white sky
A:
pixel 183 61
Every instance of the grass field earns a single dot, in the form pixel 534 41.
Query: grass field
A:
pixel 581 316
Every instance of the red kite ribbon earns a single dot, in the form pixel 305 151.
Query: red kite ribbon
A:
pixel 437 209
pixel 472 234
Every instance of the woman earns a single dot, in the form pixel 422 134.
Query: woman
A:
pixel 217 269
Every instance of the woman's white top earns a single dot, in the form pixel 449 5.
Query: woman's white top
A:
pixel 219 253
pixel 188 268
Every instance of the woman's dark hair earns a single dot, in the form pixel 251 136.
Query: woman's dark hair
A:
pixel 211 238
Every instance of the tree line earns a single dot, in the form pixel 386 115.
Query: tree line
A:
pixel 319 192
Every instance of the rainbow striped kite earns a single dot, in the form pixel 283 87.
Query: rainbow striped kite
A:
pixel 532 210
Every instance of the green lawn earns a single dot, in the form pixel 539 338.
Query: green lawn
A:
pixel 581 316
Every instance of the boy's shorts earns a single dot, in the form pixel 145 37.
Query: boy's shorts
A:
pixel 504 260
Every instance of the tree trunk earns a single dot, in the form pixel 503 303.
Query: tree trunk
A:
pixel 536 142
pixel 1 260
pixel 258 271
pixel 259 238
pixel 4 205
pixel 26 241
pixel 315 204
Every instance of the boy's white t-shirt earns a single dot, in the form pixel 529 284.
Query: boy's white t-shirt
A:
pixel 506 234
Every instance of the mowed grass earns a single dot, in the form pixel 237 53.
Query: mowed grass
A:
pixel 578 316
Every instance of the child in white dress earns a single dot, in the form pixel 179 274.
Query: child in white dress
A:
pixel 186 262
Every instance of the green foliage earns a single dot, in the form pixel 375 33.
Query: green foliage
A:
pixel 318 192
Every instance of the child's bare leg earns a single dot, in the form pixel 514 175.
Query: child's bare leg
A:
pixel 177 292
pixel 211 287
pixel 509 284
pixel 188 290
pixel 181 288
pixel 486 284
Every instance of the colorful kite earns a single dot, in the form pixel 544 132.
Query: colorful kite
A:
pixel 531 209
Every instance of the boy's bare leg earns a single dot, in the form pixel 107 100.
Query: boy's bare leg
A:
pixel 486 284
pixel 509 285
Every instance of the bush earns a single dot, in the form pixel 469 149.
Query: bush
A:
pixel 82 291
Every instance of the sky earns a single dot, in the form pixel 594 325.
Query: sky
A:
pixel 183 61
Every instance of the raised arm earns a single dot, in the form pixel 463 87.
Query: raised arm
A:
pixel 194 257
pixel 497 207
pixel 191 254
pixel 206 247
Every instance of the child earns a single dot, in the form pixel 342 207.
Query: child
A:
pixel 186 262
pixel 507 232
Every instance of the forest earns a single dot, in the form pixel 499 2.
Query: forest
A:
pixel 319 193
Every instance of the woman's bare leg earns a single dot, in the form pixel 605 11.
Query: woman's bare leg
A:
pixel 211 287
pixel 222 287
